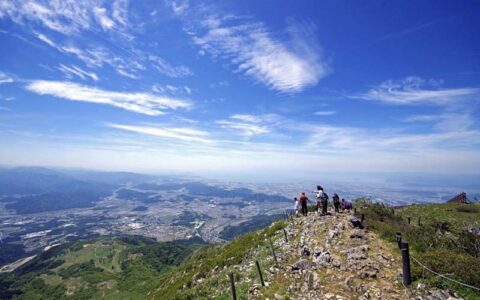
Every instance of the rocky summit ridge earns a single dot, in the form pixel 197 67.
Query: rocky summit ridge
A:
pixel 332 259
pixel 302 257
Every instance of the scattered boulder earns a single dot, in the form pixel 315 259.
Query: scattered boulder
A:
pixel 340 227
pixel 329 296
pixel 358 234
pixel 439 295
pixel 356 222
pixel 305 251
pixel 356 253
pixel 332 234
pixel 302 264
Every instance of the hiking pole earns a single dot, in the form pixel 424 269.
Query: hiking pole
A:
pixel 260 273
pixel 407 279
pixel 232 286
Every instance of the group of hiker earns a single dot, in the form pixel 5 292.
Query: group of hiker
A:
pixel 322 202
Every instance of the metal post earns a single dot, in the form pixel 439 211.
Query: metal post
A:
pixel 232 286
pixel 273 251
pixel 399 239
pixel 363 218
pixel 354 210
pixel 393 211
pixel 285 234
pixel 419 223
pixel 407 279
pixel 260 273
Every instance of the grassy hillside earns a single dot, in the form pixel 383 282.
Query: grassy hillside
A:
pixel 109 268
pixel 205 274
pixel 446 240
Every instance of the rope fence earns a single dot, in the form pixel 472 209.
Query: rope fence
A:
pixel 443 276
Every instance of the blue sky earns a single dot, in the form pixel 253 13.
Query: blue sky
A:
pixel 258 88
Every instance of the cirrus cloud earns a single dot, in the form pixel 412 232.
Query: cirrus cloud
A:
pixel 287 66
pixel 414 90
pixel 143 103
pixel 181 133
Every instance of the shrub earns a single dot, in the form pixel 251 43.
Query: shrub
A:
pixel 468 208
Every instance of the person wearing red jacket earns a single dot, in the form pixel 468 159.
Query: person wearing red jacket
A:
pixel 303 201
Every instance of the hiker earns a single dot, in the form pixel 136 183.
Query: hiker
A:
pixel 303 200
pixel 336 202
pixel 319 196
pixel 324 204
pixel 297 206
pixel 346 205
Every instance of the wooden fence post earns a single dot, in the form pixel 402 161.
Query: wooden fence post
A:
pixel 419 223
pixel 273 251
pixel 407 279
pixel 408 219
pixel 363 218
pixel 399 239
pixel 232 286
pixel 285 234
pixel 260 273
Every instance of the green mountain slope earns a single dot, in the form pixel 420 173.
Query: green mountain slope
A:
pixel 108 268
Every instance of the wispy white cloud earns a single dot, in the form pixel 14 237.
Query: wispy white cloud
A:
pixel 286 66
pixel 447 136
pixel 171 90
pixel 143 103
pixel 451 121
pixel 250 125
pixel 95 57
pixel 45 39
pixel 73 18
pixel 103 19
pixel 179 7
pixel 77 71
pixel 164 67
pixel 415 90
pixel 246 129
pixel 4 78
pixel 68 16
pixel 178 133
pixel 325 113
pixel 130 66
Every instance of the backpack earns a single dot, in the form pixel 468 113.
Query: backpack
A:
pixel 336 200
pixel 325 197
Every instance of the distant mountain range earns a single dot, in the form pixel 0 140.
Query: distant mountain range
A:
pixel 32 190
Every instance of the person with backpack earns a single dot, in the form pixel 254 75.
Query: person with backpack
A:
pixel 319 196
pixel 346 205
pixel 324 204
pixel 303 201
pixel 336 202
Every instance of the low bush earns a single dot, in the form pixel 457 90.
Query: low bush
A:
pixel 468 208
